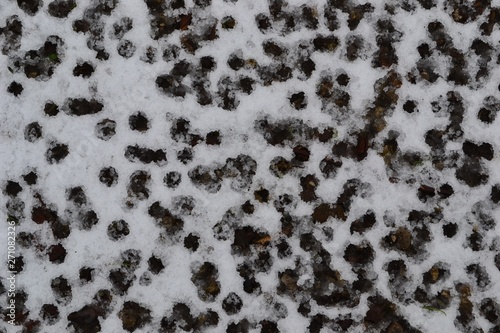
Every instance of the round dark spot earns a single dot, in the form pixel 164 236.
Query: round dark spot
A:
pixel 105 129
pixel 228 23
pixel 33 132
pixel 126 48
pixel 171 52
pixel 272 49
pixel 138 122
pixel 301 153
pixel 472 173
pixel 205 278
pixel 86 274
pixel 134 316
pixel 19 264
pixel 213 138
pixel 155 265
pixel 57 253
pixel 30 178
pixel 329 166
pixel 263 22
pixel 185 155
pixel 108 176
pixel 150 56
pixel 248 208
pixel 410 106
pixel 51 109
pixel 475 241
pixel 192 242
pixel 56 152
pixel 359 254
pixel 84 70
pixel 30 7
pixel 207 63
pixel 486 115
pixel 61 289
pixel 172 179
pixel 235 61
pixel 298 100
pixel 261 195
pixel 49 313
pixel 12 188
pixel 343 79
pixel 138 185
pixel 495 193
pixel 121 27
pixel 118 229
pixel 61 8
pixel 15 88
pixel 232 304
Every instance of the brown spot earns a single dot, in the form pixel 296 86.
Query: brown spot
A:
pixel 185 21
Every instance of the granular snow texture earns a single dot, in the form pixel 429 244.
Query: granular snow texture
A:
pixel 250 166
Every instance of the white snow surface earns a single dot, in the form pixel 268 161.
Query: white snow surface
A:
pixel 125 86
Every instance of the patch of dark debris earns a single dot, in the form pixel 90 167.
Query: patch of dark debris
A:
pixel 181 34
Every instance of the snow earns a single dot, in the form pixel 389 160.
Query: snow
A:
pixel 126 86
